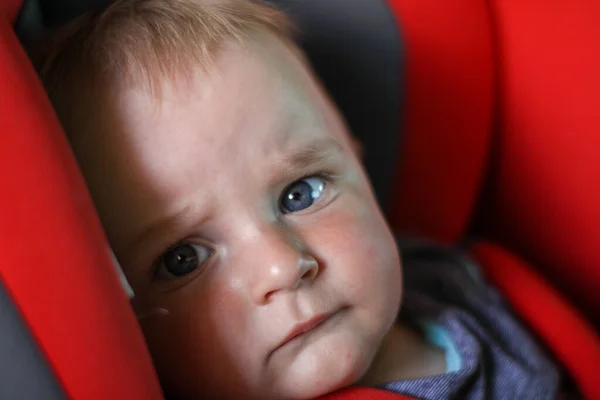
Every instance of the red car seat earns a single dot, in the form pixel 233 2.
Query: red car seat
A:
pixel 479 119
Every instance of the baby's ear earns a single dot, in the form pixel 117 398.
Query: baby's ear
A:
pixel 357 147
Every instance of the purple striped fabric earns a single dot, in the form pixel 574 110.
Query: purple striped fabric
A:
pixel 499 359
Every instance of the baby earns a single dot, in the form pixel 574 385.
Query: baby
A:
pixel 232 195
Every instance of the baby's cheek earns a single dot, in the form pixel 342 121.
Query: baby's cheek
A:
pixel 354 234
pixel 379 253
pixel 197 345
pixel 360 226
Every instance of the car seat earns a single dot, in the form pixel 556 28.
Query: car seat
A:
pixel 480 122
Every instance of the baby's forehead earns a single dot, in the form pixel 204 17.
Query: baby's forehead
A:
pixel 266 78
pixel 256 101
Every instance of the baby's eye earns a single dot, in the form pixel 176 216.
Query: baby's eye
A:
pixel 302 194
pixel 181 260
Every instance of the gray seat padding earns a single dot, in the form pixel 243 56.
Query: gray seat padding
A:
pixel 24 372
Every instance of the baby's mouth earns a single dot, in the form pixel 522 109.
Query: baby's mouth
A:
pixel 304 327
pixel 307 327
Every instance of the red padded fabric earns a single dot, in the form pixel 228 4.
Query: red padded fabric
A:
pixel 447 114
pixel 361 393
pixel 574 342
pixel 545 197
pixel 55 262
pixel 10 9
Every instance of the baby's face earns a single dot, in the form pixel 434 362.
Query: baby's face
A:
pixel 237 205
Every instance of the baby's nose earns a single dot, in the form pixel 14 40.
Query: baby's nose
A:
pixel 281 265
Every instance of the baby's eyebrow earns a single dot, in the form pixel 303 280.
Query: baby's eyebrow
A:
pixel 314 152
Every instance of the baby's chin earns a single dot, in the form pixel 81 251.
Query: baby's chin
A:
pixel 328 365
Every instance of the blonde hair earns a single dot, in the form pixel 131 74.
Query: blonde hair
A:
pixel 142 42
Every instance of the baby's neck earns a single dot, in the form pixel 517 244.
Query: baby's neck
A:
pixel 404 354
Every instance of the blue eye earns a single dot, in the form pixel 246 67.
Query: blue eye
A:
pixel 181 260
pixel 302 194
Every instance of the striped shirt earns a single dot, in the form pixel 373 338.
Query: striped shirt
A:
pixel 489 353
